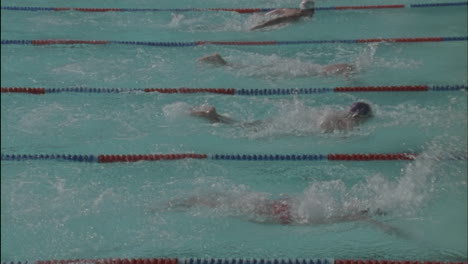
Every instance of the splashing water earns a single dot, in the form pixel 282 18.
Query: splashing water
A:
pixel 335 200
pixel 176 110
pixel 293 118
pixel 403 196
pixel 274 66
pixel 366 58
pixel 258 65
pixel 176 19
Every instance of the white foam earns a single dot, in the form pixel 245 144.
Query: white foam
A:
pixel 176 110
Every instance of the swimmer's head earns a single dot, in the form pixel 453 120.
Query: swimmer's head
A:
pixel 360 110
pixel 306 4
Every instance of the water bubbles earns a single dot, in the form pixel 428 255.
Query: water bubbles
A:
pixel 176 110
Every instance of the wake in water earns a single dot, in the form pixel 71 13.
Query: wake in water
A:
pixel 292 118
pixel 210 22
pixel 376 200
pixel 258 65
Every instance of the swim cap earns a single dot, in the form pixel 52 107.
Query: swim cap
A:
pixel 307 4
pixel 360 109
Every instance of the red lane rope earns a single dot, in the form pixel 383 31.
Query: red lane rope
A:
pixel 196 43
pixel 231 157
pixel 23 90
pixel 238 10
pixel 237 261
pixel 234 91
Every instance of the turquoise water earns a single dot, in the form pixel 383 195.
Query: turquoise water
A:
pixel 58 210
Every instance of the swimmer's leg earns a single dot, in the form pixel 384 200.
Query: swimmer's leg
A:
pixel 211 200
pixel 252 123
pixel 389 229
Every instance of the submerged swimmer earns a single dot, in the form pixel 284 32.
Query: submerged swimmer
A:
pixel 286 15
pixel 358 113
pixel 339 69
pixel 284 211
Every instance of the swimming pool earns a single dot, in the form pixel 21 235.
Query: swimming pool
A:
pixel 64 210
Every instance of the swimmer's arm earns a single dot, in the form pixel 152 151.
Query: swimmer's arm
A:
pixel 269 222
pixel 332 123
pixel 216 118
pixel 226 120
pixel 275 21
pixel 326 127
pixel 389 229
pixel 277 11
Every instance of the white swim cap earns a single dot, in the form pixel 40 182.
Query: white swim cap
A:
pixel 307 4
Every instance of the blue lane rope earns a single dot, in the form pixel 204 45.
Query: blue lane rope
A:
pixel 257 261
pixel 269 157
pixel 31 8
pixel 157 44
pixel 242 91
pixel 447 88
pixel 230 43
pixel 231 261
pixel 229 157
pixel 67 157
pixel 439 4
pixel 293 91
pixel 17 42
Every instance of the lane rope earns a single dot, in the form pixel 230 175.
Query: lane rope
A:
pixel 228 43
pixel 245 92
pixel 238 10
pixel 101 158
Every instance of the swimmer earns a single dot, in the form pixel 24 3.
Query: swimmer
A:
pixel 358 113
pixel 286 15
pixel 284 211
pixel 340 69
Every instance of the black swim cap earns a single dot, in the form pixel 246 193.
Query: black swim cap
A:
pixel 360 109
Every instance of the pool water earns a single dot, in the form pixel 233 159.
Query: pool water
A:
pixel 66 210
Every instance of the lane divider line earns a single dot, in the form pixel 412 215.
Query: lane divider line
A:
pixel 244 92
